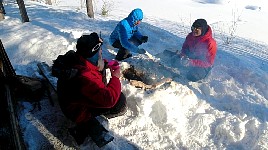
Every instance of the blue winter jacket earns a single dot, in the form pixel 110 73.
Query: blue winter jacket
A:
pixel 126 29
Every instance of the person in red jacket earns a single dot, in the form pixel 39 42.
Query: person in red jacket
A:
pixel 198 51
pixel 82 90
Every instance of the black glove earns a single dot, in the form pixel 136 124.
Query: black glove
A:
pixel 144 39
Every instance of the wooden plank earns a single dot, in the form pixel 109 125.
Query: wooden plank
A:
pixel 6 70
pixel 7 66
pixel 19 145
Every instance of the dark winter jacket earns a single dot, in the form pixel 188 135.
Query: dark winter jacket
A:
pixel 125 29
pixel 201 50
pixel 84 91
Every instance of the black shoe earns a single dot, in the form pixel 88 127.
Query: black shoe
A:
pixel 122 54
pixel 100 140
pixel 94 129
pixel 103 139
pixel 98 133
pixel 78 136
pixel 122 58
pixel 128 55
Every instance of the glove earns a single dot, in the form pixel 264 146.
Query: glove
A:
pixel 185 61
pixel 113 64
pixel 141 51
pixel 144 39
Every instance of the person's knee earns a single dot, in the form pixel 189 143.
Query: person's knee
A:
pixel 117 44
pixel 122 103
pixel 193 78
pixel 119 109
pixel 123 54
pixel 196 74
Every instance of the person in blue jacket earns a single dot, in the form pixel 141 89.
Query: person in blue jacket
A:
pixel 126 36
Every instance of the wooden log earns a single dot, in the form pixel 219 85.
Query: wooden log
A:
pixel 52 90
pixel 139 84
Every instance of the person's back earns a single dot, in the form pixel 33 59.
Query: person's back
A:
pixel 85 88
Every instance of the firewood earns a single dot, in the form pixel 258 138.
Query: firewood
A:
pixel 140 84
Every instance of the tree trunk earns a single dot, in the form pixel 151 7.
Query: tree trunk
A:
pixel 89 5
pixel 23 12
pixel 48 2
pixel 2 11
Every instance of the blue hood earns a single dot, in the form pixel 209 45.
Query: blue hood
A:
pixel 135 16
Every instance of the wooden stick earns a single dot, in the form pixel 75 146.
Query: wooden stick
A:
pixel 149 55
pixel 139 84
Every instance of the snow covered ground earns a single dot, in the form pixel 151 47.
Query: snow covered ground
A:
pixel 227 110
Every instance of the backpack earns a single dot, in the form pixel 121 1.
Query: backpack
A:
pixel 62 67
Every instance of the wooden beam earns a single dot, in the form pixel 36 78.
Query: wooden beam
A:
pixel 6 70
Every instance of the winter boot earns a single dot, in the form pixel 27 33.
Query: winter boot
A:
pixel 78 135
pixel 104 138
pixel 122 54
pixel 93 129
pixel 98 133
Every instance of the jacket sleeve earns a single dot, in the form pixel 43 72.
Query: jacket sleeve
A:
pixel 100 95
pixel 210 56
pixel 123 37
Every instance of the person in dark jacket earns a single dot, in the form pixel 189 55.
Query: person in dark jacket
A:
pixel 127 37
pixel 82 90
pixel 198 51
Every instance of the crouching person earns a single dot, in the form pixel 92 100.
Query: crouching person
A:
pixel 198 51
pixel 127 37
pixel 82 90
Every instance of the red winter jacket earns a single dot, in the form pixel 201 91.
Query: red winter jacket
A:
pixel 80 95
pixel 201 50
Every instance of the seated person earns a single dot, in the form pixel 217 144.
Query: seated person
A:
pixel 198 51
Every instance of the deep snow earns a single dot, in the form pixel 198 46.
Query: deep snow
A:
pixel 227 110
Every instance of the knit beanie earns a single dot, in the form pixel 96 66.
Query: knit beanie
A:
pixel 201 23
pixel 86 43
